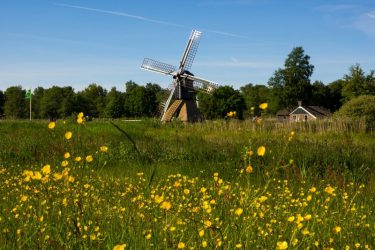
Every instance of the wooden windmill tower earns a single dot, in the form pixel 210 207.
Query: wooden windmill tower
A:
pixel 185 84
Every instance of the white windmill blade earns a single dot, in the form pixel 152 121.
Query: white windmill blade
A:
pixel 203 84
pixel 191 50
pixel 159 67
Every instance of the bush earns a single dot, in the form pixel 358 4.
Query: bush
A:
pixel 361 107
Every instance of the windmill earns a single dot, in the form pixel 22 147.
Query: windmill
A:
pixel 184 85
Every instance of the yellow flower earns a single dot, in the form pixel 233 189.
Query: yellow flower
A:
pixel 166 205
pixel 263 198
pixel 291 219
pixel 307 217
pixel 238 211
pixel 357 245
pixel 80 115
pixel 201 233
pixel 263 106
pixel 239 245
pixel 119 247
pixel 36 176
pixel 79 120
pixel 51 125
pixel 148 236
pixel 24 198
pixel 295 242
pixel 158 199
pixel 78 159
pixel 329 190
pixel 261 151
pixel 68 135
pixel 66 155
pixel 337 229
pixel 204 244
pixel 64 163
pixel 89 158
pixel 249 169
pixel 103 149
pixel 46 169
pixel 181 245
pixel 312 190
pixel 57 176
pixel 186 191
pixel 281 245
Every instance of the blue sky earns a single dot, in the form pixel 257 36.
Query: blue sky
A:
pixel 77 42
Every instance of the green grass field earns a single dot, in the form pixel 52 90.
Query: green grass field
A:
pixel 186 186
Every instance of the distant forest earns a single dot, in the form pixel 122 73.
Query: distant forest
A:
pixel 285 87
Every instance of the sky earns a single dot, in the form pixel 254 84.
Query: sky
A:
pixel 78 42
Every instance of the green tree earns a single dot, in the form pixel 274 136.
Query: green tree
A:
pixel 357 83
pixel 15 103
pixel 36 99
pixel 51 103
pixel 114 104
pixel 223 100
pixel 335 94
pixel 94 96
pixel 2 100
pixel 292 83
pixel 360 107
pixel 255 95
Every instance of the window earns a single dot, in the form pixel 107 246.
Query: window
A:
pixel 305 117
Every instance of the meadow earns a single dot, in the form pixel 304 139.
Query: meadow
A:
pixel 216 185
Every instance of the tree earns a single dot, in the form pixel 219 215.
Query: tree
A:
pixel 223 100
pixel 36 99
pixel 255 95
pixel 2 100
pixel 356 83
pixel 335 93
pixel 114 104
pixel 360 107
pixel 15 103
pixel 51 103
pixel 292 83
pixel 94 96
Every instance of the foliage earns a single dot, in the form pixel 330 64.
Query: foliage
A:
pixel 361 107
pixel 115 104
pixel 357 83
pixel 15 104
pixel 253 95
pixel 2 100
pixel 94 96
pixel 292 83
pixel 223 100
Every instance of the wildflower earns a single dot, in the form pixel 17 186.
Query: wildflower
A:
pixel 357 245
pixel 181 245
pixel 263 198
pixel 337 229
pixel 79 120
pixel 261 151
pixel 68 135
pixel 329 190
pixel 203 189
pixel 281 245
pixel 80 115
pixel 57 176
pixel 201 233
pixel 51 125
pixel 148 236
pixel 308 198
pixel 307 217
pixel 295 242
pixel 312 190
pixel 46 169
pixel 158 199
pixel 36 176
pixel 103 149
pixel 66 155
pixel 263 106
pixel 24 198
pixel 172 229
pixel 238 211
pixel 89 158
pixel 239 245
pixel 186 191
pixel 78 159
pixel 249 169
pixel 119 247
pixel 64 163
pixel 204 244
pixel 166 205
pixel 291 219
pixel 207 223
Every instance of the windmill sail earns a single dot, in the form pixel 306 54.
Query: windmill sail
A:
pixel 159 67
pixel 191 50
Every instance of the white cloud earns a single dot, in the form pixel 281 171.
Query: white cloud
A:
pixel 366 23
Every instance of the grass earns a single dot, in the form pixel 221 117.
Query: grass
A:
pixel 175 185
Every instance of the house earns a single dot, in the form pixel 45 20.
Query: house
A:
pixel 303 113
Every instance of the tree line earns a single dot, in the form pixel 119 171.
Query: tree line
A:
pixel 285 87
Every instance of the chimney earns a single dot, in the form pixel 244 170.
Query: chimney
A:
pixel 299 103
